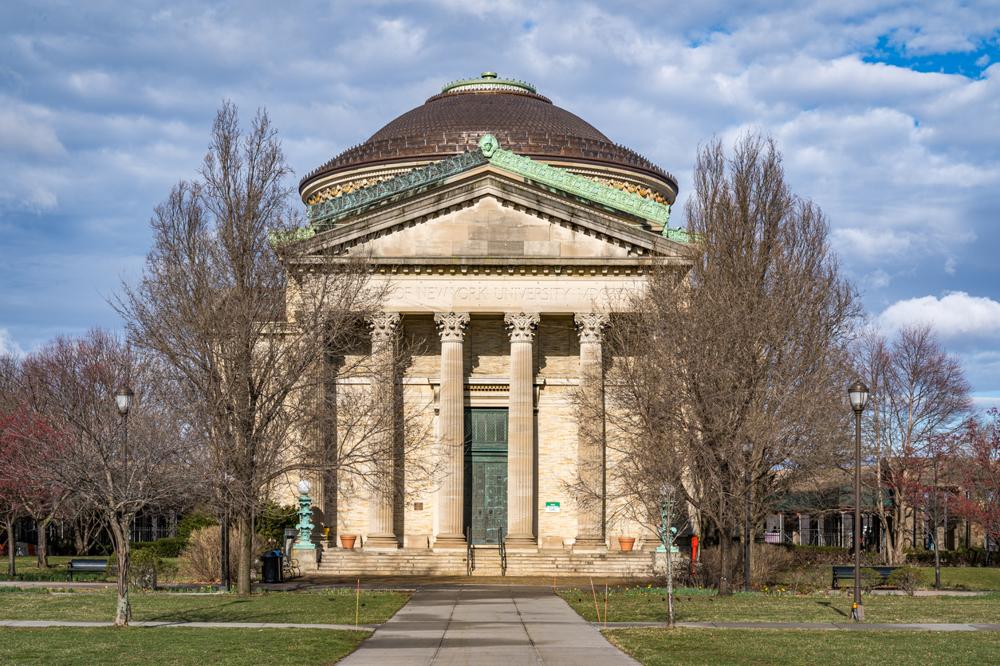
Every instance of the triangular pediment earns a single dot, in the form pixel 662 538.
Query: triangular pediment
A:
pixel 488 216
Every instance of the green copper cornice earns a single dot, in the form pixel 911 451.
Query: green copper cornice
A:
pixel 327 212
pixel 488 151
pixel 487 81
pixel 279 238
pixel 570 183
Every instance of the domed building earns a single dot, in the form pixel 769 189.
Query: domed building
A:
pixel 505 231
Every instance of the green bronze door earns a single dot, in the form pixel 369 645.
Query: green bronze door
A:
pixel 486 474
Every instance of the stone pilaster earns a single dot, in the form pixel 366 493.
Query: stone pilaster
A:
pixel 590 451
pixel 451 420
pixel 521 433
pixel 384 327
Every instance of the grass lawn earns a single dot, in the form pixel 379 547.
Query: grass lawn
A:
pixel 765 646
pixel 963 578
pixel 176 646
pixel 27 569
pixel 649 605
pixel 333 606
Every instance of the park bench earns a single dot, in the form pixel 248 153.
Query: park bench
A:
pixel 85 566
pixel 845 572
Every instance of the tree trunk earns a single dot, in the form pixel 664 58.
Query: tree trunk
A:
pixel 8 524
pixel 42 544
pixel 937 546
pixel 244 526
pixel 121 536
pixel 725 546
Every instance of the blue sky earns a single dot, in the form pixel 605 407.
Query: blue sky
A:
pixel 887 112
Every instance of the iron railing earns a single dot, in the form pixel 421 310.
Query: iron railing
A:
pixel 503 551
pixel 470 553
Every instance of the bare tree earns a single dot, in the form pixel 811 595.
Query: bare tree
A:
pixel 254 350
pixel 10 507
pixel 115 466
pixel 919 394
pixel 980 440
pixel 731 379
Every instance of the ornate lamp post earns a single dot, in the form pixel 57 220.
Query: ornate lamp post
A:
pixel 305 525
pixel 858 393
pixel 123 401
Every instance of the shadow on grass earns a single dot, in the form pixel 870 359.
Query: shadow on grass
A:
pixel 212 614
pixel 829 605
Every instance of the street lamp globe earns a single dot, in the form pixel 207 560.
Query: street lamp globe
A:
pixel 123 400
pixel 304 487
pixel 858 394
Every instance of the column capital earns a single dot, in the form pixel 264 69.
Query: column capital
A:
pixel 590 325
pixel 451 325
pixel 521 325
pixel 384 325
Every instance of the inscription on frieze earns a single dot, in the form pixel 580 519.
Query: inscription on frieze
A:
pixel 499 295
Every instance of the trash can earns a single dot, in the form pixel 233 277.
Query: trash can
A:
pixel 271 566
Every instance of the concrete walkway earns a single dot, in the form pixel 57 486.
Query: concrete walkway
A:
pixel 484 626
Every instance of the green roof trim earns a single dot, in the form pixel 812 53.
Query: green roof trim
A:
pixel 323 214
pixel 487 81
pixel 279 238
pixel 571 183
pixel 328 212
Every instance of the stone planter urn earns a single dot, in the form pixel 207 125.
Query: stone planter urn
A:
pixel 626 543
pixel 347 541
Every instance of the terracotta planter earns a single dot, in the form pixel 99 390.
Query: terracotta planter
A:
pixel 347 541
pixel 626 544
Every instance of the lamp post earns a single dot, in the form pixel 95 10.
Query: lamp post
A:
pixel 858 393
pixel 305 525
pixel 123 401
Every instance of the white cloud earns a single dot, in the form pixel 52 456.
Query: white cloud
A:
pixel 27 129
pixel 952 315
pixel 877 279
pixel 8 345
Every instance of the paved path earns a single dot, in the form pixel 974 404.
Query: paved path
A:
pixel 841 626
pixel 486 626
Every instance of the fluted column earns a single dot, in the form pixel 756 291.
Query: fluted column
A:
pixel 380 508
pixel 451 422
pixel 590 451
pixel 521 432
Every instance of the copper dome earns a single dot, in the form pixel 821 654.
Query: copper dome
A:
pixel 521 119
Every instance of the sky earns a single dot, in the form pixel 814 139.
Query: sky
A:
pixel 888 115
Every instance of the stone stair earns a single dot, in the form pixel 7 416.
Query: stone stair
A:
pixel 544 563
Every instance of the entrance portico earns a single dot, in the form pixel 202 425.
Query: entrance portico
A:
pixel 499 276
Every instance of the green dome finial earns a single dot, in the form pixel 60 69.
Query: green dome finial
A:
pixel 489 82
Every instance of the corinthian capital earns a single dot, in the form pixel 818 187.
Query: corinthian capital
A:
pixel 521 325
pixel 590 325
pixel 451 325
pixel 384 325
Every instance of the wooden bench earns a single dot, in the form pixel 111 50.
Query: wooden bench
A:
pixel 842 572
pixel 85 566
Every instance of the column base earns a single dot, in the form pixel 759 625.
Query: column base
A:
pixel 449 542
pixel 521 543
pixel 307 558
pixel 590 545
pixel 381 542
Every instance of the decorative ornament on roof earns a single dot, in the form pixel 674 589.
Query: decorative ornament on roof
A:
pixel 488 81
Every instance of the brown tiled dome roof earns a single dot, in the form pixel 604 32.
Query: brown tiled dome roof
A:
pixel 521 119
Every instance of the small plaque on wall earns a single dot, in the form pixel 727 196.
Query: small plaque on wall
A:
pixel 418 506
pixel 552 507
